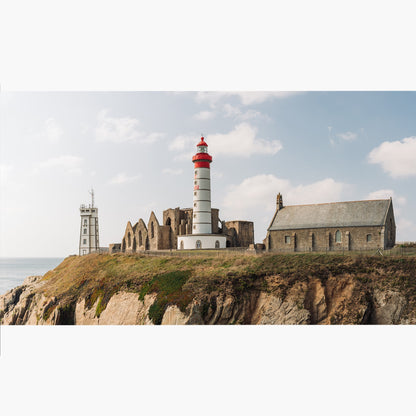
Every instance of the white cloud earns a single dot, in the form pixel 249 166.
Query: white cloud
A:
pixel 348 136
pixel 121 178
pixel 151 138
pixel 254 199
pixel 397 158
pixel 235 112
pixel 68 163
pixel 182 142
pixel 243 142
pixel 240 142
pixel 122 130
pixel 204 115
pixel 53 130
pixel 116 129
pixel 248 98
pixel 172 171
pixel 217 175
pixel 385 194
pixel 245 97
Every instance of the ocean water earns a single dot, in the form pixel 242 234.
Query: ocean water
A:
pixel 13 271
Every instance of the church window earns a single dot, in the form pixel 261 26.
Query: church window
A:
pixel 152 230
pixel 85 231
pixel 84 241
pixel 85 222
pixel 140 238
pixel 181 245
pixel 198 244
pixel 338 236
pixel 128 239
pixel 369 237
pixel 287 239
pixel 217 244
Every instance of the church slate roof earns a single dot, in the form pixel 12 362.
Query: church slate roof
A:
pixel 331 215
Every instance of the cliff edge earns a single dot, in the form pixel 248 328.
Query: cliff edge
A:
pixel 217 289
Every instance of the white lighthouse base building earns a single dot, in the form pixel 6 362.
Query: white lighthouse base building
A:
pixel 201 241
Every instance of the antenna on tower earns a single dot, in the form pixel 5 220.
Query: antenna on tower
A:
pixel 92 197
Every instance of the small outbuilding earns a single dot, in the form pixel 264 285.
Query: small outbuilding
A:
pixel 352 225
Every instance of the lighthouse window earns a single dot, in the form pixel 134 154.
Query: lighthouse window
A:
pixel 194 204
pixel 194 215
pixel 194 193
pixel 195 182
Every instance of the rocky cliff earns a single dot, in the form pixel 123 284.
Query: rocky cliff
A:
pixel 212 290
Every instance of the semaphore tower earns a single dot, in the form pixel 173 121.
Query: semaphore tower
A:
pixel 88 235
pixel 202 237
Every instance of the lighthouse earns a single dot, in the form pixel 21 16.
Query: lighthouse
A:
pixel 202 237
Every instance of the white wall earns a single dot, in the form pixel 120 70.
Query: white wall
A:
pixel 207 241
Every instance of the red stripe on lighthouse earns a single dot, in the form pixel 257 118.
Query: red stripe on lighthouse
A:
pixel 201 165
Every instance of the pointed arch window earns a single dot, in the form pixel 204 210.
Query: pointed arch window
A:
pixel 338 236
pixel 152 230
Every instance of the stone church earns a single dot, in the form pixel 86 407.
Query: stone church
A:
pixel 337 226
pixel 176 221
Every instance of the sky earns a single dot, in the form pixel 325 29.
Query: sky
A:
pixel 135 149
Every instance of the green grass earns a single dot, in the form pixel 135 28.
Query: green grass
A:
pixel 178 279
pixel 168 288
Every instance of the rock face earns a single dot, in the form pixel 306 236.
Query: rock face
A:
pixel 338 301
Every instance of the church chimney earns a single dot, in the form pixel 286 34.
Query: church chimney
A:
pixel 279 201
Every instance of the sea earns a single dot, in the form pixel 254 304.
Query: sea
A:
pixel 13 271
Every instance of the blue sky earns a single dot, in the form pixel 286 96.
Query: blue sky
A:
pixel 134 148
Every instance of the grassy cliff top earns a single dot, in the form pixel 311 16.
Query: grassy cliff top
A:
pixel 177 280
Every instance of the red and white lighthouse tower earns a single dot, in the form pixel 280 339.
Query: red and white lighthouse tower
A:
pixel 202 190
pixel 202 237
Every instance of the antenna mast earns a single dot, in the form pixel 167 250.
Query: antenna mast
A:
pixel 92 197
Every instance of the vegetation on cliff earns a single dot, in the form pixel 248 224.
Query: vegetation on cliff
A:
pixel 178 280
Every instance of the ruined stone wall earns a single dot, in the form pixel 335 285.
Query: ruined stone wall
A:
pixel 324 239
pixel 390 229
pixel 114 248
pixel 215 212
pixel 128 241
pixel 164 240
pixel 142 239
pixel 243 234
